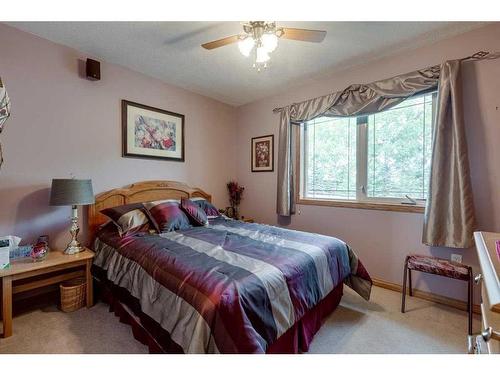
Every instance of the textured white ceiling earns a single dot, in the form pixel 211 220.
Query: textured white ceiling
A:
pixel 171 51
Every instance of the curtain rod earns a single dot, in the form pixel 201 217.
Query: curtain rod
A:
pixel 480 55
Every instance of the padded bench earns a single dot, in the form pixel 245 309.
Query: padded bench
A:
pixel 441 267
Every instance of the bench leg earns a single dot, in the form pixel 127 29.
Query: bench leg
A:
pixel 403 298
pixel 409 283
pixel 470 300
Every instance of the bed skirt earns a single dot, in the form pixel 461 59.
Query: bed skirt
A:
pixel 147 331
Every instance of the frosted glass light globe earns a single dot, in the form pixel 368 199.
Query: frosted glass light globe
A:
pixel 246 46
pixel 269 42
pixel 262 55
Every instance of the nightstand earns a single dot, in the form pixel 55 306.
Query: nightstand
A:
pixel 24 275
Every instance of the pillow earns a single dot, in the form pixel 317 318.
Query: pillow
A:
pixel 129 218
pixel 167 215
pixel 206 206
pixel 196 215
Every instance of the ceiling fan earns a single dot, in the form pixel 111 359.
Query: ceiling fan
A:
pixel 260 38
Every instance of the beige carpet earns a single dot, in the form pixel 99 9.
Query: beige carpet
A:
pixel 356 326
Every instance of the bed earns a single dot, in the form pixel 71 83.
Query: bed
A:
pixel 227 287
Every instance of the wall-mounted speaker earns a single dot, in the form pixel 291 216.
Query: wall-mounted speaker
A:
pixel 93 69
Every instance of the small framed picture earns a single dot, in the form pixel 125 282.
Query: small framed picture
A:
pixel 152 133
pixel 263 154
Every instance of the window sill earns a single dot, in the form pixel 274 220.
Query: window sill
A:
pixel 398 207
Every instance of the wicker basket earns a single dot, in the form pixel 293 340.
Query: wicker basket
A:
pixel 72 294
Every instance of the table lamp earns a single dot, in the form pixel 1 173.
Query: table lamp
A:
pixel 72 192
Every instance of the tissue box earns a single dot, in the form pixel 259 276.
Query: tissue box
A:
pixel 7 243
pixel 4 254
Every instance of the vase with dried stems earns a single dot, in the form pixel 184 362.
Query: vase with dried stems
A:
pixel 235 196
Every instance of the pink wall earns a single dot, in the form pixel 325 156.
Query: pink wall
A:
pixel 64 124
pixel 382 239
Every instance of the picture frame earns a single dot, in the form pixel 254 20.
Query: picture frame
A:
pixel 152 133
pixel 262 153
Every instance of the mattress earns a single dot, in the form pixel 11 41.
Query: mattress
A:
pixel 229 287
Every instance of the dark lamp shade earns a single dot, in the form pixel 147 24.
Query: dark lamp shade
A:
pixel 69 192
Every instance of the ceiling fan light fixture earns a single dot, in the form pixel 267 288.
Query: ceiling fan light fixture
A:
pixel 246 45
pixel 260 38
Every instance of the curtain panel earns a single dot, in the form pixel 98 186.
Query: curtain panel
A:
pixel 443 213
pixel 449 218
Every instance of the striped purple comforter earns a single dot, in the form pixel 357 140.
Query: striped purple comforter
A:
pixel 231 287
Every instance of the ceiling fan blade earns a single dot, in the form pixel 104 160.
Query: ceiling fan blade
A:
pixel 221 42
pixel 304 35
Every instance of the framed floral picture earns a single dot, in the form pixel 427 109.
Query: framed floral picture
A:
pixel 263 154
pixel 152 133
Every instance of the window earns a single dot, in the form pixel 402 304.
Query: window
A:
pixel 378 158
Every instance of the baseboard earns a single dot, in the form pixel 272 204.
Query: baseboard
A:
pixel 428 296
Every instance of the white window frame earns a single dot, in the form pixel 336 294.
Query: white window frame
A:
pixel 362 200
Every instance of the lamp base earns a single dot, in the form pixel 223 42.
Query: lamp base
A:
pixel 73 248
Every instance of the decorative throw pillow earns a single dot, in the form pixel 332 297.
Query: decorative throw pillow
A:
pixel 167 215
pixel 206 206
pixel 129 218
pixel 196 215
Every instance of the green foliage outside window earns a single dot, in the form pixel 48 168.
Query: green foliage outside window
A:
pixel 397 151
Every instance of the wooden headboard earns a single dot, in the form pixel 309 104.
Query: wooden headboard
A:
pixel 145 191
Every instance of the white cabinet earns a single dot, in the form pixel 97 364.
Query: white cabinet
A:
pixel 488 340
